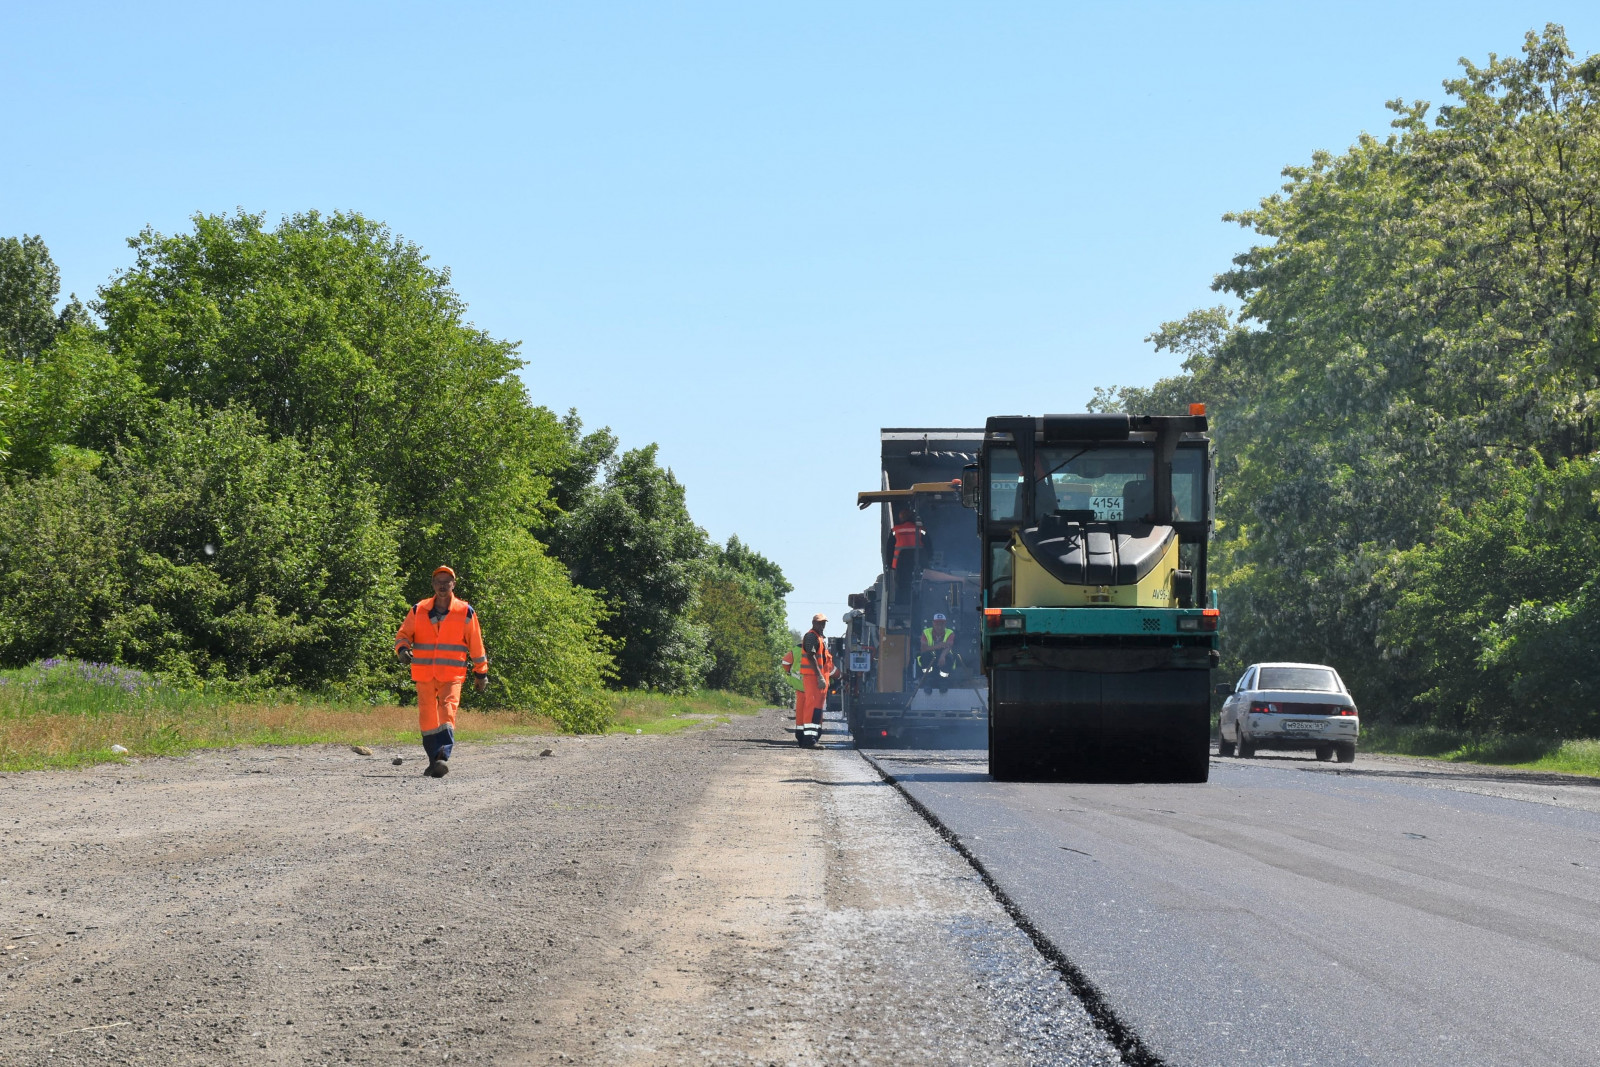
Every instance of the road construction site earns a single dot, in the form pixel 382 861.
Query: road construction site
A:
pixel 723 896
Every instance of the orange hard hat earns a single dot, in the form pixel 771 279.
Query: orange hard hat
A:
pixel 442 569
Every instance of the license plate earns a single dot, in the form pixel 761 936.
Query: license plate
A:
pixel 1305 726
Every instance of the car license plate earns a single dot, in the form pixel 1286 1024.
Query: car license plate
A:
pixel 1305 726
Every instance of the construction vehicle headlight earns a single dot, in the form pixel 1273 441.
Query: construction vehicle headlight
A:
pixel 1013 622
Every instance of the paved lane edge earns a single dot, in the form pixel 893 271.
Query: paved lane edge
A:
pixel 1134 1052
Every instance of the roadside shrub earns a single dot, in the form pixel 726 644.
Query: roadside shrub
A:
pixel 542 634
pixel 61 577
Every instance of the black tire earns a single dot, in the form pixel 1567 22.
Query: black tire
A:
pixel 1224 746
pixel 1246 749
pixel 1345 751
pixel 1324 753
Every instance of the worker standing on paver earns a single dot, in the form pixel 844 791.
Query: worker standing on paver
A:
pixel 440 639
pixel 811 661
pixel 909 537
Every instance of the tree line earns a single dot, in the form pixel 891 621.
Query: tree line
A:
pixel 1404 406
pixel 242 460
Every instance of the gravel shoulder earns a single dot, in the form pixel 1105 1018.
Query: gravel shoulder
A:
pixel 717 896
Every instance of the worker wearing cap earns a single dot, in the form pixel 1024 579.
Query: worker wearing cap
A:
pixel 813 663
pixel 937 649
pixel 440 639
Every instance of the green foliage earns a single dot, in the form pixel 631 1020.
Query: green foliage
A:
pixel 61 549
pixel 1482 609
pixel 741 607
pixel 276 437
pixel 76 398
pixel 203 549
pixel 29 285
pixel 1403 406
pixel 543 634
pixel 339 335
pixel 631 540
pixel 329 327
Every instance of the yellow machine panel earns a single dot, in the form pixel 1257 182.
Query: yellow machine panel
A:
pixel 1035 587
pixel 892 652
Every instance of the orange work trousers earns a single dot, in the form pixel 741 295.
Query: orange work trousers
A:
pixel 436 714
pixel 810 701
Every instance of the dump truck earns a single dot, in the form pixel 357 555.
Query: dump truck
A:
pixel 1099 631
pixel 888 693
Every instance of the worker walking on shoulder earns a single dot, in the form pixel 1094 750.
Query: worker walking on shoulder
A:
pixel 440 639
pixel 809 665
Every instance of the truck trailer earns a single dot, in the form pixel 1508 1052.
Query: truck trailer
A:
pixel 1098 630
pixel 889 693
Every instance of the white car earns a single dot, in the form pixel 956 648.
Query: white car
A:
pixel 1289 706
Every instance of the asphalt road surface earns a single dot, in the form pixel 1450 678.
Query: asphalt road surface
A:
pixel 1291 912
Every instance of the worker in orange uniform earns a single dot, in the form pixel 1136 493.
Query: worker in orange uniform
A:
pixel 440 639
pixel 811 661
pixel 908 538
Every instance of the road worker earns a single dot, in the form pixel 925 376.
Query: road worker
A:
pixel 936 649
pixel 909 537
pixel 813 663
pixel 440 639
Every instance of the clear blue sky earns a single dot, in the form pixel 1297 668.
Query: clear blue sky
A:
pixel 753 233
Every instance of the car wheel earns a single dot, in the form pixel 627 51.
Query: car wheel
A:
pixel 1324 753
pixel 1247 749
pixel 1346 751
pixel 1224 746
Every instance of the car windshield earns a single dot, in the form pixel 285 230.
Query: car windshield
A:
pixel 1303 679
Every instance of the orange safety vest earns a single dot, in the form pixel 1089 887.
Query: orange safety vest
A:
pixel 443 653
pixel 906 535
pixel 800 665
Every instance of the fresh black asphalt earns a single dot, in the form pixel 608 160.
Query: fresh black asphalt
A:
pixel 1290 912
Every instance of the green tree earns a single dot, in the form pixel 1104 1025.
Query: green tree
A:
pixel 29 285
pixel 331 327
pixel 1419 323
pixel 543 635
pixel 741 608
pixel 631 539
pixel 72 404
pixel 203 549
pixel 340 336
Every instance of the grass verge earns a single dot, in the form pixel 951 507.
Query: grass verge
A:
pixel 1523 751
pixel 66 713
pixel 639 712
